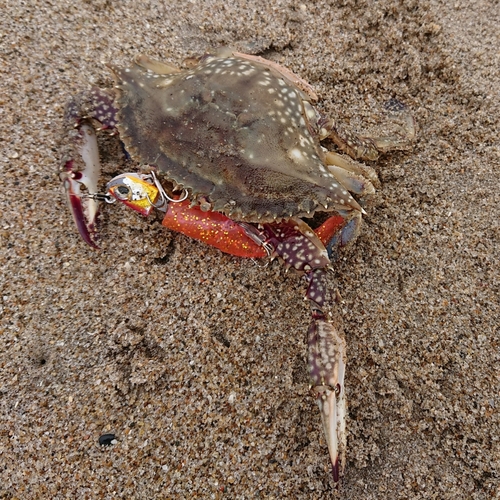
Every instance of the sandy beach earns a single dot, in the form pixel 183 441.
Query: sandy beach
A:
pixel 196 360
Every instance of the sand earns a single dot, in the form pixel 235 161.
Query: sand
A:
pixel 195 360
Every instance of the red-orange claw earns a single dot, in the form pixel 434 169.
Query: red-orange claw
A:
pixel 327 358
pixel 212 228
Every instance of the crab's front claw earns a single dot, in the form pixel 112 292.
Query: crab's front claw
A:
pixel 83 207
pixel 327 356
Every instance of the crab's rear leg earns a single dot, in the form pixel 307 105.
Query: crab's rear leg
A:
pixel 81 165
pixel 369 148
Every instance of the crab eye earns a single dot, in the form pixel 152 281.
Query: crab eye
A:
pixel 122 193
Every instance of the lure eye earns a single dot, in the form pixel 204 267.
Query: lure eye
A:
pixel 122 193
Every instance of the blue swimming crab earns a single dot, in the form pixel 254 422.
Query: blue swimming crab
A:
pixel 232 145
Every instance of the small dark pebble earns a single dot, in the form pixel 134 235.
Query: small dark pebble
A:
pixel 106 439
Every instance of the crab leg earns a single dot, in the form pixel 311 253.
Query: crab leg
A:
pixel 216 229
pixel 299 246
pixel 327 358
pixel 212 228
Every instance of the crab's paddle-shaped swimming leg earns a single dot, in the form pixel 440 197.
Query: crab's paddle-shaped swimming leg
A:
pixel 81 165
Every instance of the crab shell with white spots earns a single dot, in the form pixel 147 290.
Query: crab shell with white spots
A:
pixel 237 131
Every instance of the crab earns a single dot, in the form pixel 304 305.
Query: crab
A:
pixel 233 157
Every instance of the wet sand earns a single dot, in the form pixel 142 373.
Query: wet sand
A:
pixel 196 360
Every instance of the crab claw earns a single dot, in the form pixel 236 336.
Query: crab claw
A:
pixel 83 207
pixel 327 356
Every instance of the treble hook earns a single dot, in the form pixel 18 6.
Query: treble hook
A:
pixel 162 193
pixel 255 235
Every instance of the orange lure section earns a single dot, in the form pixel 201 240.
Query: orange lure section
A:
pixel 326 231
pixel 213 228
pixel 217 230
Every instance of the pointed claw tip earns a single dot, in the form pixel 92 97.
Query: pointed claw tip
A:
pixel 336 471
pixel 85 228
pixel 79 218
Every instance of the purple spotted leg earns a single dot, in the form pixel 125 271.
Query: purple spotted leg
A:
pixel 297 244
pixel 81 165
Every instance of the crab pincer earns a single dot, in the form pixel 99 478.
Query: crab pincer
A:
pixel 85 114
pixel 84 208
pixel 327 360
pixel 301 248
